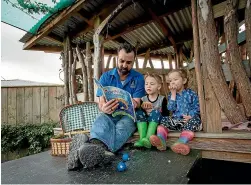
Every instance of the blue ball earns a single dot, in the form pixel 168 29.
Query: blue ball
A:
pixel 121 167
pixel 125 157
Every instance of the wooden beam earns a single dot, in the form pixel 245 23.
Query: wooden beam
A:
pixel 88 21
pixel 47 49
pixel 223 145
pixel 227 156
pixel 66 13
pixel 163 27
pixel 82 29
pixel 53 39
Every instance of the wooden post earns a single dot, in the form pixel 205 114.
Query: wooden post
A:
pixel 151 63
pixel 65 59
pixel 114 62
pixel 108 62
pixel 248 28
pixel 170 60
pixel 70 71
pixel 197 65
pixel 164 77
pixel 73 78
pixel 136 63
pixel 234 56
pixel 84 73
pixel 97 40
pixel 147 55
pixel 211 57
pixel 88 58
pixel 180 57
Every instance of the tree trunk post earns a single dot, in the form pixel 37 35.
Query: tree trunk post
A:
pixel 65 68
pixel 170 60
pixel 73 78
pixel 84 73
pixel 164 77
pixel 98 41
pixel 197 65
pixel 248 28
pixel 234 56
pixel 88 58
pixel 70 71
pixel 66 71
pixel 208 45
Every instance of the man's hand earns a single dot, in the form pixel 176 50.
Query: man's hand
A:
pixel 110 106
pixel 136 102
pixel 186 118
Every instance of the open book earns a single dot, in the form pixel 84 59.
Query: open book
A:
pixel 124 98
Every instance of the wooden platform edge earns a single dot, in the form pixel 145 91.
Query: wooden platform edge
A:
pixel 222 145
pixel 227 156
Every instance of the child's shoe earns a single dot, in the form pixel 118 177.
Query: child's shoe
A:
pixel 180 146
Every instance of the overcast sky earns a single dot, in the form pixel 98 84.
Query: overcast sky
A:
pixel 26 65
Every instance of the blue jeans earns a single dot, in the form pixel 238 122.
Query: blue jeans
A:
pixel 112 131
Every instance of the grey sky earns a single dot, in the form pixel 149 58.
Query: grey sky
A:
pixel 27 65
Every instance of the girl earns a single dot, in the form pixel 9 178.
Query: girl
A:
pixel 184 105
pixel 153 107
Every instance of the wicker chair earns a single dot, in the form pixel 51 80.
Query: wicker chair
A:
pixel 78 118
pixel 74 119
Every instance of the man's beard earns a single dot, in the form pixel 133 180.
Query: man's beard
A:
pixel 123 71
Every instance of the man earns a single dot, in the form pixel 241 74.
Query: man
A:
pixel 111 133
pixel 115 131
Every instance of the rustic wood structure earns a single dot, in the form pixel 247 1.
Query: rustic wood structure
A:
pixel 170 33
pixel 28 102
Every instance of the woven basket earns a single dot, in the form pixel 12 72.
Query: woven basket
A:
pixel 60 147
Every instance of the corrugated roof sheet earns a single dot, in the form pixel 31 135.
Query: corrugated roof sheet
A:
pixel 178 24
pixel 25 83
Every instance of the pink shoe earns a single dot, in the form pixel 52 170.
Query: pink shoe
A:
pixel 180 148
pixel 158 143
pixel 187 133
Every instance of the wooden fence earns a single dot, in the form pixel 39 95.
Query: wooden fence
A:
pixel 31 104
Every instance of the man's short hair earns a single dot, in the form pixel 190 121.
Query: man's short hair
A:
pixel 127 47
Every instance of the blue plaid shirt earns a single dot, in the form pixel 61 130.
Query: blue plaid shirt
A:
pixel 134 83
pixel 187 103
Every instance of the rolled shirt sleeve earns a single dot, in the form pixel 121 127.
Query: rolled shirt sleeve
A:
pixel 102 80
pixel 140 88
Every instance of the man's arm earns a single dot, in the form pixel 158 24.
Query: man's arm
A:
pixel 139 91
pixel 136 102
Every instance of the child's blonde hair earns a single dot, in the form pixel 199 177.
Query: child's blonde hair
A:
pixel 155 76
pixel 183 74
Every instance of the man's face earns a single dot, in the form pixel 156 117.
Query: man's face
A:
pixel 125 61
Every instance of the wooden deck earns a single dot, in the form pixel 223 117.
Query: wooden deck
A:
pixel 145 166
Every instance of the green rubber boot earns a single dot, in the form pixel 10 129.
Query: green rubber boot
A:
pixel 142 128
pixel 152 127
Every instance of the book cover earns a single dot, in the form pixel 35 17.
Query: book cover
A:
pixel 124 98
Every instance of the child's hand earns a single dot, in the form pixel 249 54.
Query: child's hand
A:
pixel 173 89
pixel 146 105
pixel 186 118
